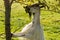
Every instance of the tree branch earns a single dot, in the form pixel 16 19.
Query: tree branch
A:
pixel 12 1
pixel 20 2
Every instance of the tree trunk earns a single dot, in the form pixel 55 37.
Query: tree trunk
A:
pixel 7 19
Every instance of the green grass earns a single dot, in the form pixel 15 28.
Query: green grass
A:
pixel 49 21
pixel 51 25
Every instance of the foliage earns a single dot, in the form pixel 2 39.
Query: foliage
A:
pixel 51 5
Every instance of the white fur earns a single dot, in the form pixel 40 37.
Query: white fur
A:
pixel 33 30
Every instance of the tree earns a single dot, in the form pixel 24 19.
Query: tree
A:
pixel 7 4
pixel 53 5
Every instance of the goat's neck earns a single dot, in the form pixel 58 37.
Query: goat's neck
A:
pixel 36 18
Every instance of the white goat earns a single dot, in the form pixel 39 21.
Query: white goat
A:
pixel 33 30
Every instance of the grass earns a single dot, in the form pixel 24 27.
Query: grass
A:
pixel 51 25
pixel 50 21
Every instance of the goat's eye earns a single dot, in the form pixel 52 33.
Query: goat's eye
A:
pixel 33 13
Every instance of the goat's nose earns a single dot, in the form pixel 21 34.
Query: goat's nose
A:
pixel 33 13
